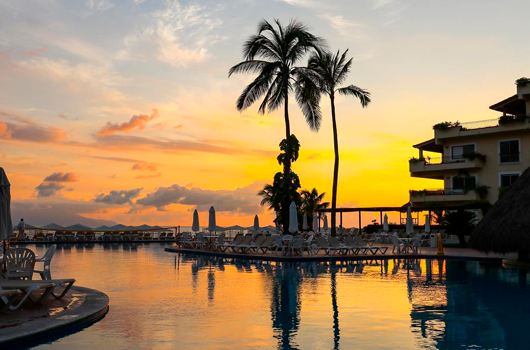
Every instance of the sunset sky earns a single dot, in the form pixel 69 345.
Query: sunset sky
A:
pixel 123 111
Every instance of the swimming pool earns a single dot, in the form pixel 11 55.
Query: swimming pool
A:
pixel 193 302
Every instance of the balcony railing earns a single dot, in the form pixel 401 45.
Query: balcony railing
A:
pixel 442 160
pixel 488 123
pixel 441 191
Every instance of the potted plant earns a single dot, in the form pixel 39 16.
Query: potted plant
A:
pixel 506 119
pixel 416 160
pixel 523 87
pixel 482 191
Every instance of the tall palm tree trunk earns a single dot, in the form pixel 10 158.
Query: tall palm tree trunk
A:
pixel 335 169
pixel 287 164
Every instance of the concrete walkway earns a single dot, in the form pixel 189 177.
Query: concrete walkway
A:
pixel 80 307
pixel 425 253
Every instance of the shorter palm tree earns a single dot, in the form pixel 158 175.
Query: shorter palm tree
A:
pixel 311 202
pixel 330 70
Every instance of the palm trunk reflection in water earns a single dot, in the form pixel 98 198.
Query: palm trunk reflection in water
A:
pixel 285 308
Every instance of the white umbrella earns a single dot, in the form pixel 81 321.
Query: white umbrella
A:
pixel 427 223
pixel 293 218
pixel 256 223
pixel 325 228
pixel 305 226
pixel 410 227
pixel 315 222
pixel 385 224
pixel 195 226
pixel 6 226
pixel 211 220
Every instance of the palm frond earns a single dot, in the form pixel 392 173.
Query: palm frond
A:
pixel 253 66
pixel 307 94
pixel 352 90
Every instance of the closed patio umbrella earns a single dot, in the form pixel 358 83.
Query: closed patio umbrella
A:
pixel 256 223
pixel 427 223
pixel 6 226
pixel 385 224
pixel 325 228
pixel 315 222
pixel 195 226
pixel 409 228
pixel 211 220
pixel 293 218
pixel 305 226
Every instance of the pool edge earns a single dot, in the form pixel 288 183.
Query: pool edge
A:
pixel 93 309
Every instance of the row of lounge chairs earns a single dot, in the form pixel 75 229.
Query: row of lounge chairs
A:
pixel 286 244
pixel 90 236
pixel 16 280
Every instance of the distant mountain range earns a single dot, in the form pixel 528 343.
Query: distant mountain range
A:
pixel 80 227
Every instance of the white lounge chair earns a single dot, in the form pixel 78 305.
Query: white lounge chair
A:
pixel 45 273
pixel 8 297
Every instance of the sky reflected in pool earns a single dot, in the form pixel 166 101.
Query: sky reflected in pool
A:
pixel 193 302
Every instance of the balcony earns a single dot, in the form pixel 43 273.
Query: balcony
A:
pixel 502 124
pixel 435 167
pixel 442 195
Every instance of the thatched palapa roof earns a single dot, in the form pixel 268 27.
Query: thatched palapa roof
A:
pixel 506 226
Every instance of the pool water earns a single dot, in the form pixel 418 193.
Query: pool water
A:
pixel 159 301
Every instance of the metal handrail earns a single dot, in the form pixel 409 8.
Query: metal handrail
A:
pixel 480 124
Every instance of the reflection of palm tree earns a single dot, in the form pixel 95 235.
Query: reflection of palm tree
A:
pixel 331 71
pixel 285 308
pixel 336 330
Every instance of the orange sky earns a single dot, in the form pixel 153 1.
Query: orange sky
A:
pixel 124 112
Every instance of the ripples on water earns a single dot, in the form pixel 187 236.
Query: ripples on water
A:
pixel 193 302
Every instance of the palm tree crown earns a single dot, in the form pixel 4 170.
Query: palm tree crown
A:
pixel 272 53
pixel 312 201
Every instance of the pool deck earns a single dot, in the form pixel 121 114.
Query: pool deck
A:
pixel 34 324
pixel 425 253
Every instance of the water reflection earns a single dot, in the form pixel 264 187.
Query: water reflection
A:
pixel 464 306
pixel 162 301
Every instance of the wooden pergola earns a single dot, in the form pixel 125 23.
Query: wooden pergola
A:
pixel 402 209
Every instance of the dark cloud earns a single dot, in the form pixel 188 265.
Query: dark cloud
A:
pixel 118 197
pixel 137 121
pixel 48 189
pixel 61 177
pixel 30 132
pixel 241 200
pixel 118 159
pixel 144 167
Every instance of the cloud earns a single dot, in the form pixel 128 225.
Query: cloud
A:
pixel 381 3
pixel 177 35
pixel 313 156
pixel 241 200
pixel 99 6
pixel 137 121
pixel 300 3
pixel 37 52
pixel 118 197
pixel 26 130
pixel 61 177
pixel 48 189
pixel 129 142
pixel 354 31
pixel 91 81
pixel 144 167
pixel 117 159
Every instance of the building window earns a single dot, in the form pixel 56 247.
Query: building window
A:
pixel 508 179
pixel 458 152
pixel 509 151
pixel 464 183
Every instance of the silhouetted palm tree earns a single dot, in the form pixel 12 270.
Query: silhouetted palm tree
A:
pixel 312 201
pixel 272 53
pixel 331 70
